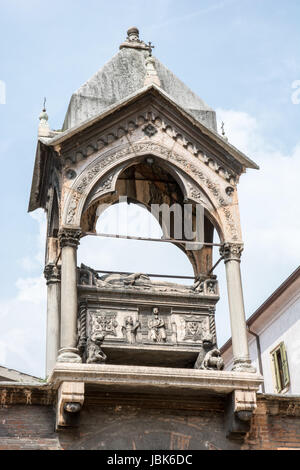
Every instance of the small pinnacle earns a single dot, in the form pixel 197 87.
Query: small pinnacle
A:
pixel 223 132
pixel 44 129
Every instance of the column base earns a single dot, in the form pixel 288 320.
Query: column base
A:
pixel 69 355
pixel 243 365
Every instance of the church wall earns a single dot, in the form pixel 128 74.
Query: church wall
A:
pixel 118 423
pixel 280 323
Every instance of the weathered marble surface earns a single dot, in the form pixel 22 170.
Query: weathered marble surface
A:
pixel 124 75
pixel 139 281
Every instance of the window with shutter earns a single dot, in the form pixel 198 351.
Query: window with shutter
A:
pixel 276 372
pixel 280 366
pixel 285 366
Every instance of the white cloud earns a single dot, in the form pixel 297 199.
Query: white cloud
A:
pixel 32 263
pixel 23 317
pixel 269 206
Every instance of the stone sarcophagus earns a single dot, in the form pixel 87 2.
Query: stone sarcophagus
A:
pixel 129 319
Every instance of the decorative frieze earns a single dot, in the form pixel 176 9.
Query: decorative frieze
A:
pixel 195 327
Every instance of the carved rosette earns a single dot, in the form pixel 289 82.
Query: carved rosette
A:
pixel 232 251
pixel 52 274
pixel 69 237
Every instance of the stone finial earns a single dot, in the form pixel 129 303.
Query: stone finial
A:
pixel 133 34
pixel 133 40
pixel 44 129
pixel 223 132
pixel 151 72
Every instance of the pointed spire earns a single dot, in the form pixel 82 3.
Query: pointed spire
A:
pixel 44 129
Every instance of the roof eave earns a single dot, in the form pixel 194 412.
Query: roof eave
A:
pixel 245 161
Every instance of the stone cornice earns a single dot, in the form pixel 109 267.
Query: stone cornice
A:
pixel 105 134
pixel 155 377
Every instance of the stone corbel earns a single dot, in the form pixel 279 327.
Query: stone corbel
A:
pixel 69 403
pixel 240 407
pixel 244 404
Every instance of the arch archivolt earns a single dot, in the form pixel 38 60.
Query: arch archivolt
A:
pixel 99 179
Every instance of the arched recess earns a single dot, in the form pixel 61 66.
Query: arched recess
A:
pixel 52 245
pixel 53 219
pixel 150 180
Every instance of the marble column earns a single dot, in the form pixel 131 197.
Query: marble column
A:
pixel 52 275
pixel 69 241
pixel 232 258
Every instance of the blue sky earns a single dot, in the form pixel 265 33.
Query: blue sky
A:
pixel 240 56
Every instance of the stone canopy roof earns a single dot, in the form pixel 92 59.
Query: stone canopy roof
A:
pixel 123 76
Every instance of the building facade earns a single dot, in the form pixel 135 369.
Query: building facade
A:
pixel 274 339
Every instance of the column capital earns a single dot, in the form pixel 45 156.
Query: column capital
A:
pixel 52 273
pixel 69 236
pixel 232 251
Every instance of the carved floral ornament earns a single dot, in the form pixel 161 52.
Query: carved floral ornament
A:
pixel 104 164
pixel 69 237
pixel 232 252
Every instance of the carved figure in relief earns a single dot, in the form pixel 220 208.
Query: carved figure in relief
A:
pixel 157 328
pixel 129 330
pixel 139 281
pixel 95 355
pixel 213 360
pixel 121 280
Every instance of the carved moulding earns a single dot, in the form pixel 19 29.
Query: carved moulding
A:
pixel 84 184
pixel 151 121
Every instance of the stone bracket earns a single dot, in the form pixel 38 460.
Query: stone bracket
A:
pixel 70 398
pixel 240 406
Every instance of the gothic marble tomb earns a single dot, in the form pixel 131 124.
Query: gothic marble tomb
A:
pixel 135 130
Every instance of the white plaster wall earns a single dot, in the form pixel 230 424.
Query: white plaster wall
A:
pixel 283 325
